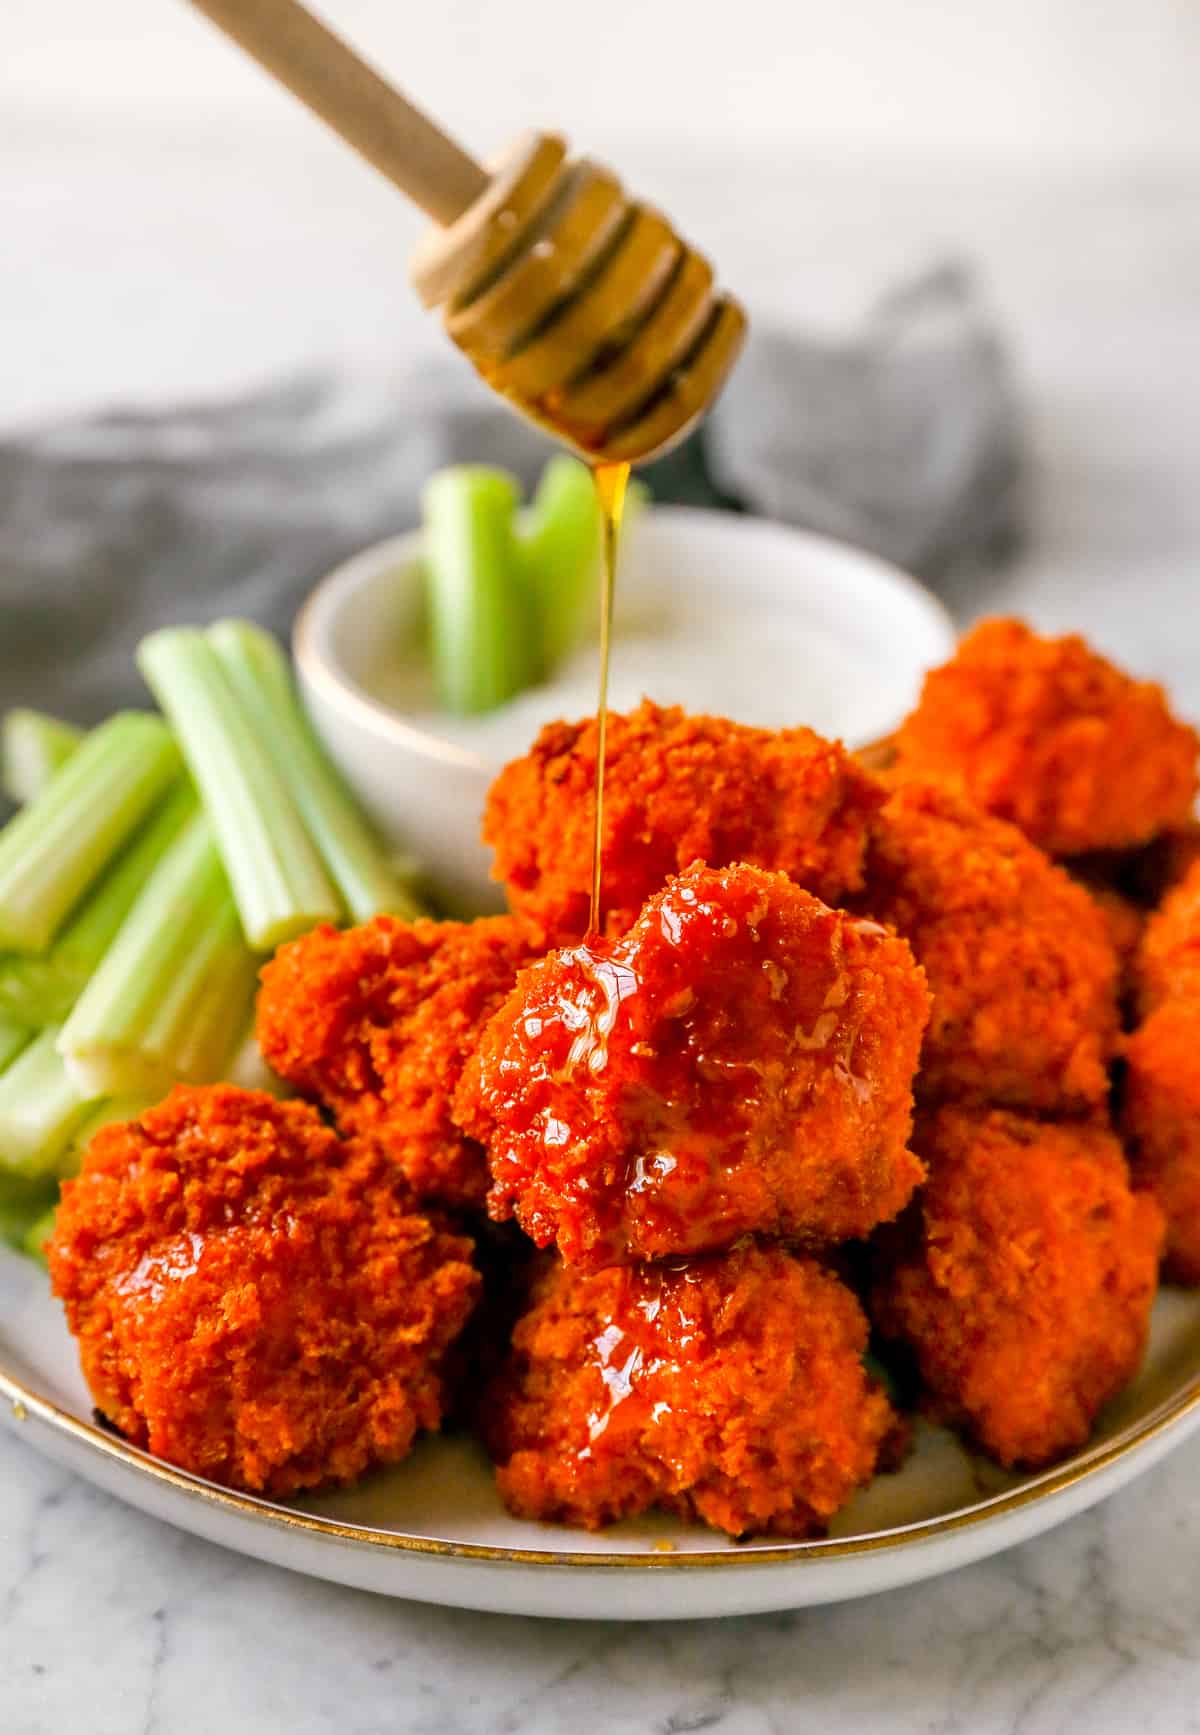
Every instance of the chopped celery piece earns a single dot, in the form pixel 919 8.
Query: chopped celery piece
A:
pixel 279 884
pixel 57 846
pixel 43 990
pixel 13 1038
pixel 105 1113
pixel 258 672
pixel 197 1025
pixel 248 1069
pixel 32 748
pixel 23 1204
pixel 34 1240
pixel 41 1105
pixel 133 1017
pixel 483 623
pixel 559 539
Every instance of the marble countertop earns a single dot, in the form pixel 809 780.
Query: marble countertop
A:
pixel 115 1625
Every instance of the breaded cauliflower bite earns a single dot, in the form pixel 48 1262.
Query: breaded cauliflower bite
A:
pixel 1049 735
pixel 1124 923
pixel 741 1060
pixel 375 1024
pixel 1018 957
pixel 255 1299
pixel 1022 1278
pixel 1168 960
pixel 729 1389
pixel 1161 1122
pixel 677 789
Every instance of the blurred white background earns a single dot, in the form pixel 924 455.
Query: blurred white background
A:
pixel 174 224
pixel 1028 81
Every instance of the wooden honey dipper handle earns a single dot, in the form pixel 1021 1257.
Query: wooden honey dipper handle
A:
pixel 353 100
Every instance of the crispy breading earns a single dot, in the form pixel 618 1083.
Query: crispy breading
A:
pixel 1168 960
pixel 741 1060
pixel 1022 1278
pixel 255 1299
pixel 730 1389
pixel 677 789
pixel 1047 733
pixel 1018 957
pixel 1161 1121
pixel 375 1024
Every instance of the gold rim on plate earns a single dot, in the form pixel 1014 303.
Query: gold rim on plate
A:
pixel 26 1404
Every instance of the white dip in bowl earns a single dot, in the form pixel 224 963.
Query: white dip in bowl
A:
pixel 718 613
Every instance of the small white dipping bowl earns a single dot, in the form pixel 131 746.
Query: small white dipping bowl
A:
pixel 721 613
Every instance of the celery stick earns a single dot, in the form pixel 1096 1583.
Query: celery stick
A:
pixel 41 1106
pixel 22 1206
pixel 130 1107
pixel 34 1240
pixel 559 539
pixel 248 1069
pixel 197 1024
pixel 43 990
pixel 58 845
pixel 279 884
pixel 484 628
pixel 213 1039
pixel 259 674
pixel 33 747
pixel 118 1037
pixel 13 1038
pixel 28 1209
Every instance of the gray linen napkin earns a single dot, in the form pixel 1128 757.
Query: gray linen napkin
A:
pixel 905 439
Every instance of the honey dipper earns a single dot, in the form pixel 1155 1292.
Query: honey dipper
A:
pixel 577 302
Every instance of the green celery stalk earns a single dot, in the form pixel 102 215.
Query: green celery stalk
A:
pixel 198 1024
pixel 43 990
pixel 33 747
pixel 483 624
pixel 22 1204
pixel 41 1106
pixel 279 884
pixel 13 1038
pixel 559 539
pixel 28 1209
pixel 130 1107
pixel 209 1050
pixel 249 1070
pixel 34 1240
pixel 258 672
pixel 122 1034
pixel 54 849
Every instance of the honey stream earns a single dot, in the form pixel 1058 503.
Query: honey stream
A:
pixel 611 482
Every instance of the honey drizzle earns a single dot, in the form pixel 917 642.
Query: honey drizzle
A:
pixel 611 481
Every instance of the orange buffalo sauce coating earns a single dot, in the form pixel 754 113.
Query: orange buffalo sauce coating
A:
pixel 254 1298
pixel 1048 734
pixel 677 789
pixel 729 1389
pixel 1019 958
pixel 375 1024
pixel 1161 1122
pixel 1022 1279
pixel 742 1060
pixel 1168 960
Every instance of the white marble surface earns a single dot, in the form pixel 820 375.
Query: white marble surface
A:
pixel 113 1625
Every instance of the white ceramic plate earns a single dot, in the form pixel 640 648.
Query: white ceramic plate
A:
pixel 432 1529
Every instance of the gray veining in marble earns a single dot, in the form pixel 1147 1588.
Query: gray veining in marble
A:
pixel 111 1624
pixel 1093 1630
